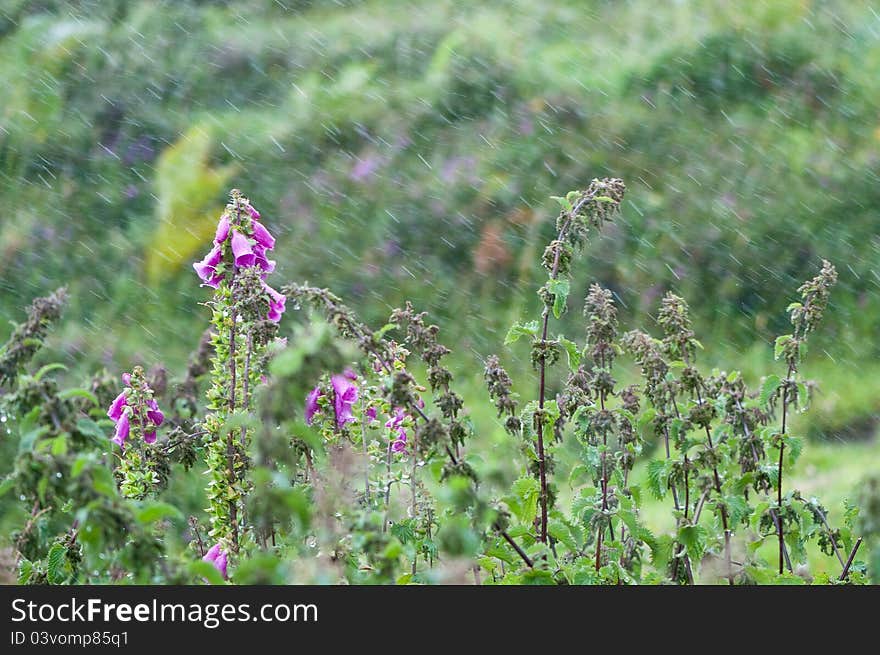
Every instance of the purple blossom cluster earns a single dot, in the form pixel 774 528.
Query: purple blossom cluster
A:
pixel 138 407
pixel 345 395
pixel 246 249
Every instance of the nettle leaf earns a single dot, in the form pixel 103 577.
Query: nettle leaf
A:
pixel 645 423
pixel 25 569
pixel 658 477
pixel 737 508
pixel 560 288
pixel 55 564
pixel 661 551
pixel 769 388
pixel 574 353
pixel 518 330
pixel 795 446
pixel 693 537
pixel 779 347
pixel 524 503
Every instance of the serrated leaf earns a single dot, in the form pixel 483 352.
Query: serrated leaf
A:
pixel 658 478
pixel 795 446
pixel 55 569
pixel 769 387
pixel 693 537
pixel 25 568
pixel 573 352
pixel 518 330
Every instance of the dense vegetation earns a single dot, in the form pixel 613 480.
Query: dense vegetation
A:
pixel 414 148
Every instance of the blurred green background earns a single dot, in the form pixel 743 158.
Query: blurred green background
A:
pixel 407 149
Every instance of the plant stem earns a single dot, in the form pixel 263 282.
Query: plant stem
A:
pixel 773 514
pixel 779 526
pixel 366 458
pixel 849 561
pixel 230 441
pixel 519 551
pixel 542 468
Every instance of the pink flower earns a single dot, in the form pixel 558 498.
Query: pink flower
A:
pixel 345 396
pixel 241 250
pixel 207 268
pixel 122 429
pixel 397 420
pixel 371 414
pixel 116 407
pixel 150 437
pixel 276 303
pixel 262 236
pixel 217 557
pixel 312 404
pixel 154 414
pixel 222 230
pixel 253 212
pixel 399 444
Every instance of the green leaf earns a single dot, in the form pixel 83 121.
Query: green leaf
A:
pixel 564 203
pixel 560 288
pixel 48 368
pixel 25 568
pixel 518 330
pixel 658 478
pixel 206 572
pixel 87 427
pixel 55 569
pixel 693 537
pixel 7 484
pixel 156 512
pixel 794 445
pixel 526 493
pixel 779 347
pixel 769 388
pixel 79 393
pixel 102 482
pixel 803 397
pixel 574 353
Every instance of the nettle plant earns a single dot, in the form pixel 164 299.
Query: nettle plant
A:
pixel 343 454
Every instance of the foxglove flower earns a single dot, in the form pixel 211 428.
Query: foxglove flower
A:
pixel 217 557
pixel 399 444
pixel 371 414
pixel 117 407
pixel 276 303
pixel 222 230
pixel 123 427
pixel 262 236
pixel 135 405
pixel 207 268
pixel 345 393
pixel 312 404
pixel 154 413
pixel 241 250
